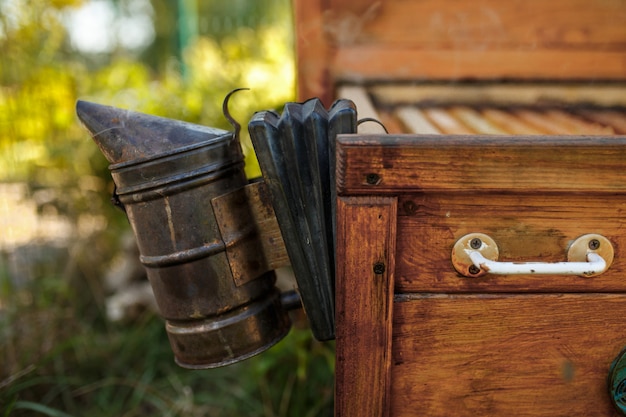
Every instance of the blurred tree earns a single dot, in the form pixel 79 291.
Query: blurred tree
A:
pixel 42 74
pixel 54 340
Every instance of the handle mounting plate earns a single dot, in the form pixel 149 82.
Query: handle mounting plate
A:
pixel 592 242
pixel 462 248
pixel 476 254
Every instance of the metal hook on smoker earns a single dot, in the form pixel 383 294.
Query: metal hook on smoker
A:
pixel 227 115
pixel 371 119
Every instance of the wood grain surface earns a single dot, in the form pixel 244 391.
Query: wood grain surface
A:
pixel 499 345
pixel 364 297
pixel 440 163
pixel 526 227
pixel 426 40
pixel 505 355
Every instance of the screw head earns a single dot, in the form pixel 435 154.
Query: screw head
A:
pixel 594 244
pixel 410 207
pixel 379 268
pixel 372 179
pixel 474 270
pixel 476 243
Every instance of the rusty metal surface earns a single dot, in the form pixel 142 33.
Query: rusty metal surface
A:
pixel 167 172
pixel 230 337
pixel 125 135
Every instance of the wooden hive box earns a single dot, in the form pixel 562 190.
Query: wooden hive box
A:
pixel 505 119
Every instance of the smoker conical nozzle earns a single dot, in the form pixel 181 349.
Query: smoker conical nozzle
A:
pixel 124 135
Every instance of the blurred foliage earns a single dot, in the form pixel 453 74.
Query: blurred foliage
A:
pixel 129 371
pixel 59 354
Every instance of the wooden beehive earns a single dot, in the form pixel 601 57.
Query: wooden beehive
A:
pixel 505 119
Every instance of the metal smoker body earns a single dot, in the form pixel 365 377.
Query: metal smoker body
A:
pixel 166 174
pixel 206 236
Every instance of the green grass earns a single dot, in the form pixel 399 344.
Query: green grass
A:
pixel 61 359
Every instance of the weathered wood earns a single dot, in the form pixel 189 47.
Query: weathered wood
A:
pixel 421 163
pixel 475 121
pixel 362 62
pixel 577 126
pixel 248 226
pixel 505 355
pixel 391 122
pixel 501 94
pixel 448 124
pixel 492 24
pixel 365 108
pixel 456 40
pixel 542 122
pixel 525 345
pixel 415 121
pixel 312 52
pixel 364 297
pixel 510 123
pixel 615 119
pixel 526 227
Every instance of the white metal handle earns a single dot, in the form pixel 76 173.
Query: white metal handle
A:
pixel 476 254
pixel 595 265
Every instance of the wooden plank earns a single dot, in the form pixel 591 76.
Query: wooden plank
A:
pixel 526 227
pixel 312 52
pixel 390 121
pixel 501 94
pixel 506 355
pixel 446 122
pixel 362 62
pixel 456 40
pixel 364 297
pixel 576 125
pixel 510 123
pixel 493 24
pixel 474 120
pixel 391 164
pixel 250 231
pixel 415 121
pixel 364 105
pixel 612 118
pixel 542 122
pixel 487 39
pixel 354 8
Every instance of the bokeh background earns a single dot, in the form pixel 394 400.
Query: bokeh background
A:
pixel 63 352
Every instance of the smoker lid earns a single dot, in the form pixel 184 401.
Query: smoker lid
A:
pixel 124 135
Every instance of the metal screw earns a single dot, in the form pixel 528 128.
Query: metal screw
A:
pixel 372 179
pixel 594 244
pixel 474 270
pixel 410 207
pixel 379 268
pixel 476 243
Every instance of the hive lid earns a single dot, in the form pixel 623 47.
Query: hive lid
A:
pixel 124 135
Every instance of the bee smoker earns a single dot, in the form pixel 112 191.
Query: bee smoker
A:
pixel 208 239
